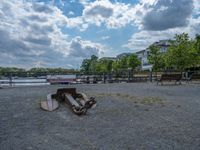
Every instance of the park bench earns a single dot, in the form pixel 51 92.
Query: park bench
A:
pixel 194 77
pixel 139 79
pixel 170 77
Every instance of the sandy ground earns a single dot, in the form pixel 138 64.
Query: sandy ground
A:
pixel 128 116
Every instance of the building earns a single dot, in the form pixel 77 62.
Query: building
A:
pixel 143 57
pixel 123 55
pixel 117 57
pixel 163 46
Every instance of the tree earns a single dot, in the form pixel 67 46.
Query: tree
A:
pixel 93 63
pixel 85 66
pixel 179 54
pixel 133 61
pixel 123 62
pixel 104 66
pixel 115 65
pixel 155 58
pixel 89 65
pixel 195 52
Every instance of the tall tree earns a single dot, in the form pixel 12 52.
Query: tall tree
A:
pixel 123 62
pixel 93 64
pixel 104 66
pixel 196 50
pixel 85 66
pixel 178 55
pixel 115 65
pixel 155 58
pixel 133 61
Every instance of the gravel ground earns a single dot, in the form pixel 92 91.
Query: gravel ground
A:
pixel 128 116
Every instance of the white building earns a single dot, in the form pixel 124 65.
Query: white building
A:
pixel 143 54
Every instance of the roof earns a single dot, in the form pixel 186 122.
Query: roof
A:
pixel 123 55
pixel 108 58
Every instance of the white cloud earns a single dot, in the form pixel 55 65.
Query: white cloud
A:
pixel 117 15
pixel 105 37
pixel 196 5
pixel 142 39
pixel 166 14
pixel 31 36
pixel 112 15
pixel 84 2
pixel 157 27
pixel 31 32
pixel 81 48
pixel 71 13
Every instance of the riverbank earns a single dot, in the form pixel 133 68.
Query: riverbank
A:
pixel 128 116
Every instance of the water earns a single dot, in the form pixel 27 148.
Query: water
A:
pixel 33 81
pixel 24 82
pixel 61 76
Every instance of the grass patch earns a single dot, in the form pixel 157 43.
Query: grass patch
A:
pixel 135 99
pixel 152 100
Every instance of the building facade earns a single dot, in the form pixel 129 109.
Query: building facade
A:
pixel 142 55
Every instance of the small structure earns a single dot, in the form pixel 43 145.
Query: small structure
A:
pixel 61 79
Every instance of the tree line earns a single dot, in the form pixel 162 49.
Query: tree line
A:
pixel 94 65
pixel 183 53
pixel 34 72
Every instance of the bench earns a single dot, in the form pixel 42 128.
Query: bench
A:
pixel 139 79
pixel 170 77
pixel 194 77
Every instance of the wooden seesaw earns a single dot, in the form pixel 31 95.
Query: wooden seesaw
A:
pixel 79 103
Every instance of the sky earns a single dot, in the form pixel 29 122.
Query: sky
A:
pixel 61 33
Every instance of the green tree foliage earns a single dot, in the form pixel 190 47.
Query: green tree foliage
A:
pixel 197 43
pixel 34 72
pixel 133 61
pixel 182 53
pixel 115 65
pixel 95 65
pixel 195 52
pixel 104 66
pixel 156 58
pixel 6 71
pixel 89 65
pixel 123 62
pixel 85 66
pixel 179 54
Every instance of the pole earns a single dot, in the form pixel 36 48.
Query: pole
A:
pixel 150 77
pixel 10 79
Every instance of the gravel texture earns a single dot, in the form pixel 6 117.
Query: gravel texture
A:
pixel 128 116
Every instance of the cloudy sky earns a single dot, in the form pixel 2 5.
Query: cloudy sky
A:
pixel 61 33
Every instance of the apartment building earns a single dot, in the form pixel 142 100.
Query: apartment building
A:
pixel 163 46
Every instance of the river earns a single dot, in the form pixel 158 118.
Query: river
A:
pixel 24 82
